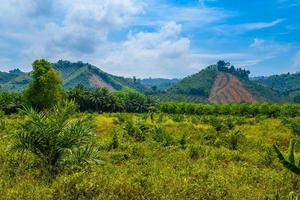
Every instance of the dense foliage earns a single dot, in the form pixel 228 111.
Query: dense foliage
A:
pixel 228 68
pixel 45 90
pixel 197 85
pixel 242 109
pixel 102 100
pixel 282 83
pixel 11 102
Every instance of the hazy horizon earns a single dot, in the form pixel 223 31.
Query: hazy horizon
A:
pixel 158 39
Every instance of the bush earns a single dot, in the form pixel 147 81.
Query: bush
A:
pixel 136 130
pixel 183 142
pixel 194 153
pixel 115 142
pixel 160 135
pixel 233 140
pixel 53 136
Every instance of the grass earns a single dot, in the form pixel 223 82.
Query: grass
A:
pixel 207 168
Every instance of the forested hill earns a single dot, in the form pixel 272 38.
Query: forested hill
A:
pixel 73 74
pixel 281 83
pixel 221 83
pixel 286 84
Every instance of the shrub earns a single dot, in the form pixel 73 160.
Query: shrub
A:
pixel 115 141
pixel 53 136
pixel 10 102
pixel 183 142
pixel 136 130
pixel 233 139
pixel 160 135
pixel 194 153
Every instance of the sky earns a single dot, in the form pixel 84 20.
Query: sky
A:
pixel 153 38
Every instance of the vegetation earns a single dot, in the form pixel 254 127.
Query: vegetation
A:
pixel 228 68
pixel 130 156
pixel 125 145
pixel 102 100
pixel 196 85
pixel 73 74
pixel 45 90
pixel 53 137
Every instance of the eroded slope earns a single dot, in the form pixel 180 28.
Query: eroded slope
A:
pixel 228 88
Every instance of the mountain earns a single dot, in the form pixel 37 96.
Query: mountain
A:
pixel 161 84
pixel 72 74
pixel 220 83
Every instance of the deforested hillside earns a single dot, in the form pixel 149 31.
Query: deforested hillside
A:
pixel 221 83
pixel 228 88
pixel 73 74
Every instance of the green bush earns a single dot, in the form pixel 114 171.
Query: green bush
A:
pixel 194 153
pixel 53 135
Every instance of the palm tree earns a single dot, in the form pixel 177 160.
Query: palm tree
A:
pixel 53 136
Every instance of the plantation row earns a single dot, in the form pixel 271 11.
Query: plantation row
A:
pixel 101 100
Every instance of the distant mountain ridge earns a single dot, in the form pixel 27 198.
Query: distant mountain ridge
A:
pixel 220 83
pixel 159 83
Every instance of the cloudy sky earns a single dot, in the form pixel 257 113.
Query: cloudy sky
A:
pixel 152 38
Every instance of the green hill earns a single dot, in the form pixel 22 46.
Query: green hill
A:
pixel 238 88
pixel 281 83
pixel 194 88
pixel 73 74
pixel 286 84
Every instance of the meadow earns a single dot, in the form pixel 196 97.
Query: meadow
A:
pixel 157 156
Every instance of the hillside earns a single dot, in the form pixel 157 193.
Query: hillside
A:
pixel 221 83
pixel 228 88
pixel 281 83
pixel 73 74
pixel 286 84
pixel 195 88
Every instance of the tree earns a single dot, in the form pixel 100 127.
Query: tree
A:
pixel 45 90
pixel 133 101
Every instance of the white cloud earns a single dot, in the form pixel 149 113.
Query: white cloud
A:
pixel 241 28
pixel 257 42
pixel 196 16
pixel 160 54
pixel 78 29
pixel 268 48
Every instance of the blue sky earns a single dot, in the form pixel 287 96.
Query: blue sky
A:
pixel 153 38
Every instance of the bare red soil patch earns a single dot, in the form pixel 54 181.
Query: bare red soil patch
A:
pixel 98 82
pixel 227 89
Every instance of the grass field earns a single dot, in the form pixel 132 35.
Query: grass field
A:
pixel 159 156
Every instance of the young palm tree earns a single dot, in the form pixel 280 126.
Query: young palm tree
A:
pixel 54 135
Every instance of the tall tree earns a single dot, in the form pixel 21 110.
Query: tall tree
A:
pixel 45 90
